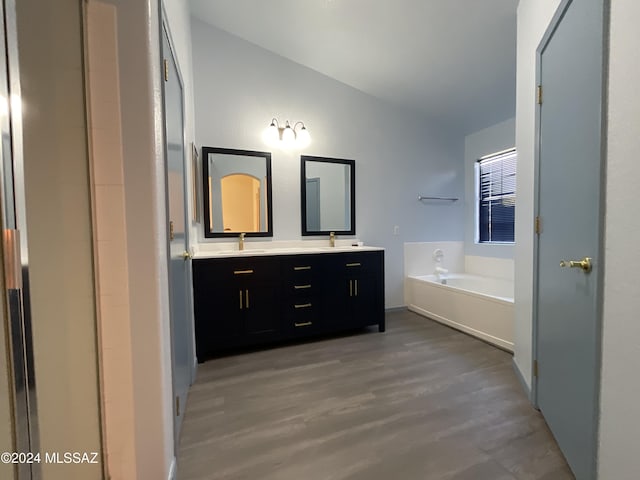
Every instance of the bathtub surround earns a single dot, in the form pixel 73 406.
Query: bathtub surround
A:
pixel 419 260
pixel 492 266
pixel 490 140
pixel 419 257
pixel 398 154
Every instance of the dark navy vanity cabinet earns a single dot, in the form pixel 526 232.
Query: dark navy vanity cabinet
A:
pixel 254 300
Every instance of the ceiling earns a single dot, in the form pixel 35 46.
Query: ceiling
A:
pixel 450 60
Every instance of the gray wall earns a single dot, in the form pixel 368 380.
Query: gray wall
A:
pixel 239 87
pixel 486 141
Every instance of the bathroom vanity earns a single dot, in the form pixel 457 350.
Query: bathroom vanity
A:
pixel 254 298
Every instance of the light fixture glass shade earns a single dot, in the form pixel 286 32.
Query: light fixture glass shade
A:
pixel 303 138
pixel 288 136
pixel 271 134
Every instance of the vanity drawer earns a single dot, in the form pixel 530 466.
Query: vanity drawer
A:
pixel 358 262
pixel 302 287
pixel 236 269
pixel 301 274
pixel 302 317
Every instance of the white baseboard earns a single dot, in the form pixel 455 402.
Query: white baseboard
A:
pixel 194 370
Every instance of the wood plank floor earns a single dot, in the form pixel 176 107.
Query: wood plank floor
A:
pixel 420 401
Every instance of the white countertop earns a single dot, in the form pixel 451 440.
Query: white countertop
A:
pixel 263 249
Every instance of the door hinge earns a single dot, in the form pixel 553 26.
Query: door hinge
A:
pixel 539 95
pixel 166 70
pixel 171 230
pixel 535 368
pixel 538 225
pixel 177 405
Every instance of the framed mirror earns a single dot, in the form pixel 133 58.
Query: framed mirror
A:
pixel 328 192
pixel 237 192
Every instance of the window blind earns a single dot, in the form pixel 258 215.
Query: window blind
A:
pixel 497 197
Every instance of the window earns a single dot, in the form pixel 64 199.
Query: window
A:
pixel 496 184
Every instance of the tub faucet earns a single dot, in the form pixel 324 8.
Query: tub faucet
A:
pixel 332 239
pixel 241 241
pixel 441 274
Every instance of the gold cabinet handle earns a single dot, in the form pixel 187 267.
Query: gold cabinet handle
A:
pixel 351 288
pixel 356 282
pixel 584 264
pixel 304 267
pixel 242 272
pixel 303 324
pixel 299 287
pixel 355 264
pixel 240 292
pixel 246 294
pixel 303 305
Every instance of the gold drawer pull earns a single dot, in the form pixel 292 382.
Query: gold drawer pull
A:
pixel 306 267
pixel 304 305
pixel 298 287
pixel 242 272
pixel 355 264
pixel 303 324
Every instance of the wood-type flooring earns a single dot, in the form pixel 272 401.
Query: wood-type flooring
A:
pixel 421 401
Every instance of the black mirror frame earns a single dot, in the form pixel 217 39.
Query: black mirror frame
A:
pixel 206 194
pixel 303 194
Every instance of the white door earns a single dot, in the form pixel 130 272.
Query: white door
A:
pixel 570 146
pixel 179 264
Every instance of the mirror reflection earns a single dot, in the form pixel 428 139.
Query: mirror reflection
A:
pixel 328 195
pixel 237 192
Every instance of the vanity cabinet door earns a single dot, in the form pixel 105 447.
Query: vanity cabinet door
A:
pixel 236 302
pixel 360 290
pixel 261 318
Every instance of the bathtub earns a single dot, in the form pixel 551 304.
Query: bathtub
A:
pixel 477 305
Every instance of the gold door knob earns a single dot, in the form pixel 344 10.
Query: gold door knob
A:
pixel 584 264
pixel 186 255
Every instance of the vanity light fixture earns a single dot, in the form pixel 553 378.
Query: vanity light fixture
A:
pixel 287 136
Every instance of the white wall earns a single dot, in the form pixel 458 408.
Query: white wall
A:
pixel 58 217
pixel 146 235
pixel 239 87
pixel 533 18
pixel 484 142
pixel 619 405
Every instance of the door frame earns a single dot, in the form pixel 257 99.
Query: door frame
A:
pixel 551 29
pixel 164 27
pixel 15 260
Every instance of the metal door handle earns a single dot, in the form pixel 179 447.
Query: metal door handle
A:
pixel 186 255
pixel 246 296
pixel 584 264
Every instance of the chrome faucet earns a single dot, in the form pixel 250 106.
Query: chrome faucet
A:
pixel 241 241
pixel 332 239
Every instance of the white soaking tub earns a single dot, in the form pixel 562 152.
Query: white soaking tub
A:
pixel 478 305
